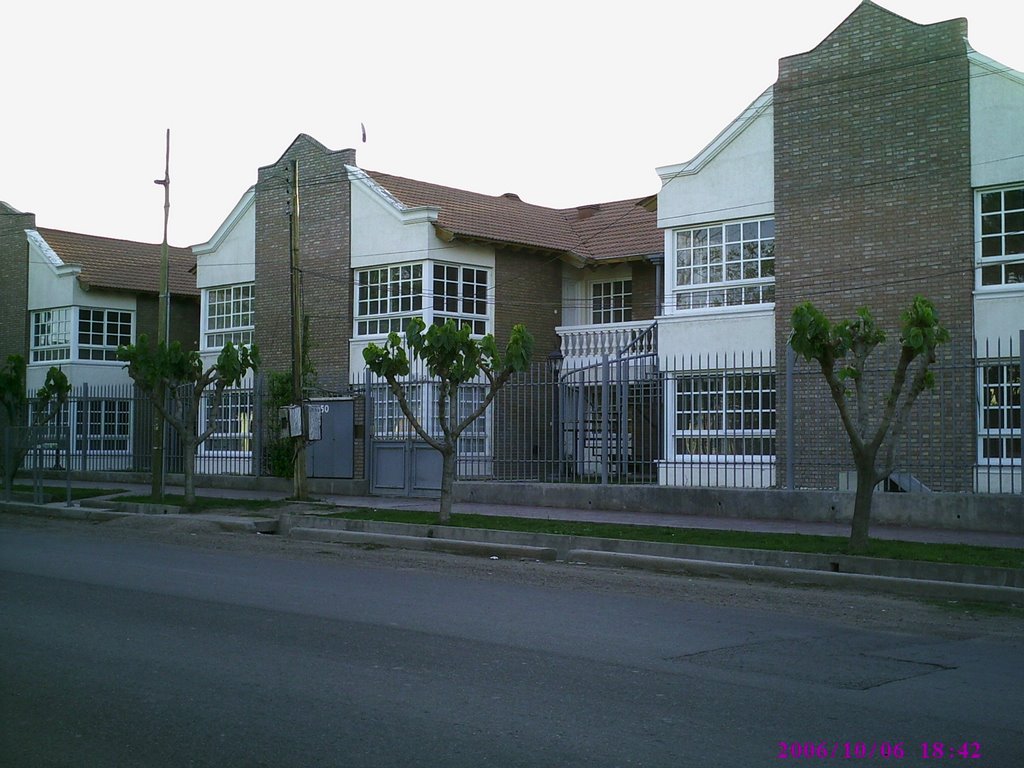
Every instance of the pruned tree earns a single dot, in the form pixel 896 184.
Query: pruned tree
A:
pixel 873 428
pixel 48 402
pixel 453 358
pixel 180 374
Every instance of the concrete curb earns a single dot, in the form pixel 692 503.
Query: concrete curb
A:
pixel 228 523
pixel 548 547
pixel 926 588
pixel 479 548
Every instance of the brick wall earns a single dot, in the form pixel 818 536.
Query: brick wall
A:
pixel 873 201
pixel 528 290
pixel 14 282
pixel 645 292
pixel 184 318
pixel 324 257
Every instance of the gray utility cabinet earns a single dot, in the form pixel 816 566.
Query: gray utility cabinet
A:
pixel 333 454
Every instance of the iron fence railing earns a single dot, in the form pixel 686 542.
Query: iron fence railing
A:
pixel 745 420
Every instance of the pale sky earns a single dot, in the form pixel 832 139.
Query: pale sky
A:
pixel 563 102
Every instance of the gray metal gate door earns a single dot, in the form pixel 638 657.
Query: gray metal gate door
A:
pixel 400 463
pixel 404 468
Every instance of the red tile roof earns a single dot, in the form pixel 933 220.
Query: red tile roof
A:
pixel 123 265
pixel 605 231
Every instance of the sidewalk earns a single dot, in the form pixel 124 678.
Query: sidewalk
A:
pixel 938 581
pixel 930 535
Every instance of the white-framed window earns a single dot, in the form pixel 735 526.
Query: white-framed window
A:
pixel 611 301
pixel 103 425
pixel 460 294
pixel 1000 227
pixel 724 265
pixel 229 315
pixel 102 331
pixel 51 335
pixel 725 415
pixel 389 421
pixel 387 298
pixel 232 432
pixel 473 441
pixel 999 413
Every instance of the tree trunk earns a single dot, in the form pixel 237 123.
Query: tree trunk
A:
pixel 188 449
pixel 862 507
pixel 444 514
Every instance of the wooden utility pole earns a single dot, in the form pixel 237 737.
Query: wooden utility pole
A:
pixel 299 484
pixel 163 329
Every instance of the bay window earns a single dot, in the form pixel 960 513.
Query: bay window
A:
pixel 724 265
pixel 80 333
pixel 388 297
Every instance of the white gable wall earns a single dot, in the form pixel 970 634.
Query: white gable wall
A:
pixel 733 178
pixel 997 117
pixel 384 232
pixel 53 284
pixel 230 258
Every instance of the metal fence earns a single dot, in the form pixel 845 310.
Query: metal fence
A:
pixel 743 420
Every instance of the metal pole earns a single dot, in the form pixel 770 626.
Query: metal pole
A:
pixel 8 472
pixel 367 430
pixel 790 437
pixel 1020 391
pixel 67 463
pixel 299 471
pixel 605 425
pixel 163 330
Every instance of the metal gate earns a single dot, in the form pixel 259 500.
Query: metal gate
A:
pixel 400 463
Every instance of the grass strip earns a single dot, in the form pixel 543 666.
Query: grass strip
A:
pixel 963 554
pixel 205 503
pixel 59 492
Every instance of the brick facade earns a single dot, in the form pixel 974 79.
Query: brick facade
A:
pixel 528 290
pixel 874 205
pixel 324 258
pixel 14 281
pixel 184 319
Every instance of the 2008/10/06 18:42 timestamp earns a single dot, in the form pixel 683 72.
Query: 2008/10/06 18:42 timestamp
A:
pixel 967 750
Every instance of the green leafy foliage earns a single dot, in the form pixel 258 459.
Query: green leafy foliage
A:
pixel 174 380
pixel 49 399
pixel 453 357
pixel 815 338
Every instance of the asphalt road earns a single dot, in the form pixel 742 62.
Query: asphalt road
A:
pixel 157 647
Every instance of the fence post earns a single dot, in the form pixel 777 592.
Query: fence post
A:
pixel 368 426
pixel 83 410
pixel 7 470
pixel 67 463
pixel 790 437
pixel 258 423
pixel 605 425
pixel 1020 376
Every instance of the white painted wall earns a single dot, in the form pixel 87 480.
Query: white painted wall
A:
pixel 997 158
pixel 229 257
pixel 725 333
pixel 384 232
pixel 51 284
pixel 997 123
pixel 732 178
pixel 998 317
